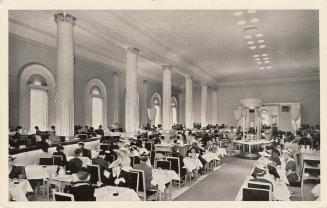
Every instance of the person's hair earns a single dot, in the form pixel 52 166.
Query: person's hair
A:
pixel 36 127
pixel 45 147
pixel 144 159
pixel 59 147
pixel 81 144
pixel 193 148
pixel 83 174
pixel 77 152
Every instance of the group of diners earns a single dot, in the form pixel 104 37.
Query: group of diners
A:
pixel 117 158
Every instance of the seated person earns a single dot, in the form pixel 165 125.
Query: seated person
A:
pixel 147 171
pixel 259 174
pixel 290 166
pixel 175 153
pixel 74 165
pixel 118 176
pixel 60 151
pixel 100 131
pixel 45 153
pixel 16 172
pixel 15 138
pixel 85 152
pixel 103 164
pixel 82 189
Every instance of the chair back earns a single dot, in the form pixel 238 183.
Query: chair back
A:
pixel 142 185
pixel 253 194
pixel 95 176
pixel 259 185
pixel 163 164
pixel 134 180
pixel 149 146
pixel 57 159
pixel 132 161
pixel 175 164
pixel 60 196
pixel 46 161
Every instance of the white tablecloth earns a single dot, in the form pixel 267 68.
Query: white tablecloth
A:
pixel 106 194
pixel 19 188
pixel 191 164
pixel 209 156
pixel 221 152
pixel 40 171
pixel 161 177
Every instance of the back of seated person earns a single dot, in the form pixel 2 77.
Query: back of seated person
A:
pixel 175 153
pixel 85 152
pixel 74 165
pixel 81 189
pixel 147 171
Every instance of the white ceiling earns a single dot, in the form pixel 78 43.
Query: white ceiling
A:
pixel 208 44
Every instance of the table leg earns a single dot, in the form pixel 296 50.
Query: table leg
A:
pixel 243 147
pixel 250 149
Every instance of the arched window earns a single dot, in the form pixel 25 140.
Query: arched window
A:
pixel 95 104
pixel 97 107
pixel 174 110
pixel 38 102
pixel 156 102
pixel 36 97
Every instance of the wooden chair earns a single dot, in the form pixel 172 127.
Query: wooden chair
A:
pixel 146 194
pixel 60 196
pixel 57 160
pixel 163 164
pixel 254 194
pixel 134 180
pixel 95 175
pixel 175 166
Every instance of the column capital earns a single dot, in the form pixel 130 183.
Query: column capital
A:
pixel 132 50
pixel 166 67
pixel 64 17
pixel 188 77
pixel 203 84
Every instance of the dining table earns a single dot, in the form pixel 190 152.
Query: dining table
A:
pixel 18 189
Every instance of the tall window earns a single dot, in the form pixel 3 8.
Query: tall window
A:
pixel 97 107
pixel 156 104
pixel 38 102
pixel 174 110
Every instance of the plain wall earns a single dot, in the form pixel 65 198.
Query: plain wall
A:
pixel 305 92
pixel 23 52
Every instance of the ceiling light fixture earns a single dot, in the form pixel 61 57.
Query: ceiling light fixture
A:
pixel 254 20
pixel 248 36
pixel 255 56
pixel 257 59
pixel 241 22
pixel 250 42
pixel 261 67
pixel 266 58
pixel 264 54
pixel 238 13
pixel 260 41
pixel 262 46
pixel 252 11
pixel 259 35
pixel 267 62
pixel 259 62
pixel 268 67
pixel 252 47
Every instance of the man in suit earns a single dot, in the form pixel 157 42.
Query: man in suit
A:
pixel 85 152
pixel 103 164
pixel 82 189
pixel 118 176
pixel 60 152
pixel 75 164
pixel 147 171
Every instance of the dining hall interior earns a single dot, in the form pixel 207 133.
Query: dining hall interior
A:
pixel 163 105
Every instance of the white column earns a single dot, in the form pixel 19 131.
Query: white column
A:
pixel 166 101
pixel 144 101
pixel 204 98
pixel 116 97
pixel 180 106
pixel 131 103
pixel 188 102
pixel 65 75
pixel 214 106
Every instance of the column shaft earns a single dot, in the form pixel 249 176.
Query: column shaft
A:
pixel 189 102
pixel 166 104
pixel 131 104
pixel 214 107
pixel 144 103
pixel 180 106
pixel 65 75
pixel 204 98
pixel 116 97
